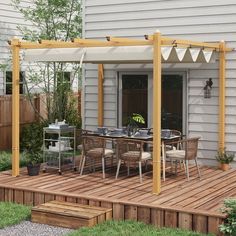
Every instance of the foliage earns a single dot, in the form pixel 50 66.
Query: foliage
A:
pixel 72 115
pixel 229 226
pixel 6 163
pixel 32 141
pixel 134 119
pixel 52 20
pixel 12 213
pixel 138 118
pixel 129 228
pixel 224 157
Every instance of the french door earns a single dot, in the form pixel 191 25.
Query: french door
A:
pixel 135 96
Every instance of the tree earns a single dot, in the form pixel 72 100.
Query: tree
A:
pixel 52 20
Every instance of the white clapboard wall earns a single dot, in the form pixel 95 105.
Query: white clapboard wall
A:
pixel 200 20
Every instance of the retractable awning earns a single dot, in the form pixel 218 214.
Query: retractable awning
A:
pixel 120 54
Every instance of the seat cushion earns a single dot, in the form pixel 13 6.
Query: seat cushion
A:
pixel 134 156
pixel 175 154
pixel 108 152
pixel 146 155
pixel 98 152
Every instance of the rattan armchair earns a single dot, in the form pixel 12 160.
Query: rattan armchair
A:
pixel 95 148
pixel 186 154
pixel 131 152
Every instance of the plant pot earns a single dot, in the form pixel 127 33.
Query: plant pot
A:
pixel 33 169
pixel 224 166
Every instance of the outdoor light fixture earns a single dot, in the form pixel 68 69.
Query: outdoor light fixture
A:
pixel 207 88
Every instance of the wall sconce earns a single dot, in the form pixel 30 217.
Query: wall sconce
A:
pixel 207 88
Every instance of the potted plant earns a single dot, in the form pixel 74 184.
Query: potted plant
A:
pixel 132 122
pixel 224 158
pixel 33 162
pixel 31 144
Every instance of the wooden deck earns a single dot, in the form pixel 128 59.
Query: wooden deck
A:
pixel 190 205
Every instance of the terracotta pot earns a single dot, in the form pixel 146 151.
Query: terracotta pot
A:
pixel 224 166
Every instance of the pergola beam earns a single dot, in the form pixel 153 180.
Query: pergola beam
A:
pixel 15 107
pixel 100 95
pixel 222 67
pixel 127 40
pixel 156 113
pixel 189 43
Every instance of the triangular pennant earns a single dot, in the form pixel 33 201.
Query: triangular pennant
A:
pixel 194 53
pixel 180 53
pixel 165 52
pixel 207 55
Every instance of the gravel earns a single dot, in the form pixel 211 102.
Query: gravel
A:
pixel 27 228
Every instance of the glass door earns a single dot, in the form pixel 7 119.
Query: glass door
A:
pixel 172 102
pixel 134 97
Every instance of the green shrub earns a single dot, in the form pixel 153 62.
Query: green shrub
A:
pixel 32 135
pixel 5 160
pixel 229 226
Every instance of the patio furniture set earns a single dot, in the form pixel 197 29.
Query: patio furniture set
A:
pixel 136 149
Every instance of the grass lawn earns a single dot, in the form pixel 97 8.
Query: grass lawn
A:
pixel 11 213
pixel 130 228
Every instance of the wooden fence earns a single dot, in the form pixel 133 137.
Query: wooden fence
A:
pixel 27 115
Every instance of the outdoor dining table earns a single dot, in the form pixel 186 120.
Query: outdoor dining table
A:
pixel 147 140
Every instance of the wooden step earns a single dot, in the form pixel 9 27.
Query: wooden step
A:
pixel 69 215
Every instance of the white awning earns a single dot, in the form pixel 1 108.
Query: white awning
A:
pixel 119 54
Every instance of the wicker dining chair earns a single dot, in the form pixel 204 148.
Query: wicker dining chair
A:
pixel 95 148
pixel 187 153
pixel 131 152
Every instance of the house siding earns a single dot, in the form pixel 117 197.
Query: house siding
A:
pixel 9 19
pixel 186 19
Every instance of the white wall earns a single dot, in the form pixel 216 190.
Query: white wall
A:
pixel 9 19
pixel 212 20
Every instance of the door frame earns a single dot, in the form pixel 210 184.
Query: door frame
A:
pixel 149 73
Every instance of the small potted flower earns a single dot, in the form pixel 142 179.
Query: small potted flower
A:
pixel 224 158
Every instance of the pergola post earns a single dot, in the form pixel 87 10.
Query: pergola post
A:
pixel 15 107
pixel 221 138
pixel 157 113
pixel 100 95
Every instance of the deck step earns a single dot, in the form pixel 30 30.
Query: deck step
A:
pixel 69 215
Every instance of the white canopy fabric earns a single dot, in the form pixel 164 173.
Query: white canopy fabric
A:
pixel 119 54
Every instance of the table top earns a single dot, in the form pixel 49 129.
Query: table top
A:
pixel 137 137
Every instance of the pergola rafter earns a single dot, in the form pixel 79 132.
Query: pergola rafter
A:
pixel 156 40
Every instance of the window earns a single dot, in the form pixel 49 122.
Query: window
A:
pixel 9 82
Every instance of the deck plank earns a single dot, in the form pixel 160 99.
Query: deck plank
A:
pixel 202 195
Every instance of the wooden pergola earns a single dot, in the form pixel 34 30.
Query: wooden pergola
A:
pixel 156 41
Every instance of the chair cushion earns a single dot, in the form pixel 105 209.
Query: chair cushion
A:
pixel 134 156
pixel 97 152
pixel 177 154
pixel 108 152
pixel 146 155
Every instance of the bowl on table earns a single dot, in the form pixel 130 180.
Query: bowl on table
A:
pixel 165 133
pixel 102 130
pixel 118 131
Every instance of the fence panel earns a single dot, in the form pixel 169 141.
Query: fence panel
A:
pixel 27 115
